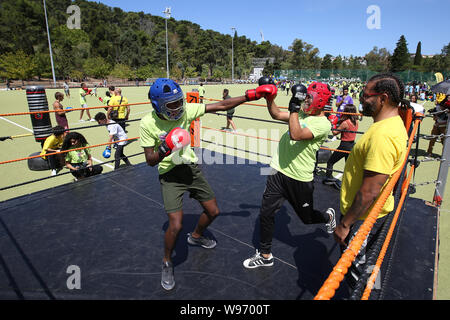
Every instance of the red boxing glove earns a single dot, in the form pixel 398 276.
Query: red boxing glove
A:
pixel 175 140
pixel 101 100
pixel 269 91
pixel 334 120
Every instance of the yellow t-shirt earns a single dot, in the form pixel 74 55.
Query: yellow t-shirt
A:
pixel 52 142
pixel 381 149
pixel 115 101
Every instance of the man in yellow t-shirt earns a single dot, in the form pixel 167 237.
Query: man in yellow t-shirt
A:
pixel 119 110
pixel 376 156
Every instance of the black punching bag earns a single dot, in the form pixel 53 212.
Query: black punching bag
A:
pixel 37 101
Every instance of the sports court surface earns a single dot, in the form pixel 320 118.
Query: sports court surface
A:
pixel 111 227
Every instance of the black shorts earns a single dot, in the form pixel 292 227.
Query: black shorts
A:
pixel 280 187
pixel 299 194
pixel 182 178
pixel 83 171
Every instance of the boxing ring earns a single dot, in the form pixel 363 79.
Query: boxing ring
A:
pixel 102 238
pixel 117 243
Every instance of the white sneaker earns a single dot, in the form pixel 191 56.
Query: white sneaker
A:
pixel 331 224
pixel 92 120
pixel 257 261
pixel 81 120
pixel 53 172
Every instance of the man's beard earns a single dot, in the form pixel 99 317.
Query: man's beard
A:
pixel 369 109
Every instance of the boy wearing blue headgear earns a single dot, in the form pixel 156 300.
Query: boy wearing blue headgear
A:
pixel 164 137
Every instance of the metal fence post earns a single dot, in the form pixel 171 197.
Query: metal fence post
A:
pixel 443 169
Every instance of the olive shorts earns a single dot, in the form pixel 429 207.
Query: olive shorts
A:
pixel 182 178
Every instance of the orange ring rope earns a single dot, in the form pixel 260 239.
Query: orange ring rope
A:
pixel 263 105
pixel 142 103
pixel 331 149
pixel 333 281
pixel 204 127
pixel 65 151
pixel 68 110
pixel 268 139
pixel 241 134
pixel 377 268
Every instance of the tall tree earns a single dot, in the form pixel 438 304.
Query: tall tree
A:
pixel 378 59
pixel 337 63
pixel 304 55
pixel 418 56
pixel 17 65
pixel 400 58
pixel 326 62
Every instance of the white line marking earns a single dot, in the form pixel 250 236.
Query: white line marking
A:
pixel 250 246
pixel 16 124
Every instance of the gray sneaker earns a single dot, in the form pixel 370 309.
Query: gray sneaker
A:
pixel 202 241
pixel 331 224
pixel 167 278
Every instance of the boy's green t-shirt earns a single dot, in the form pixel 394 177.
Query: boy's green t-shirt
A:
pixel 297 159
pixel 152 128
pixel 82 98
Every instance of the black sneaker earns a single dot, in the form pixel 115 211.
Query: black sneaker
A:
pixel 331 224
pixel 202 242
pixel 167 278
pixel 257 261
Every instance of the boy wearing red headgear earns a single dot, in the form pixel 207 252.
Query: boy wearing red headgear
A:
pixel 293 167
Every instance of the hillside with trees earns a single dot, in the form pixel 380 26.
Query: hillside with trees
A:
pixel 112 42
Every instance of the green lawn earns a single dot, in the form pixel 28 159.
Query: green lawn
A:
pixel 13 173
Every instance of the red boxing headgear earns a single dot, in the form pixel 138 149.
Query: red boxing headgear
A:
pixel 317 97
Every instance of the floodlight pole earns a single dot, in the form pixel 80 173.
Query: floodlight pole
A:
pixel 50 46
pixel 232 54
pixel 167 12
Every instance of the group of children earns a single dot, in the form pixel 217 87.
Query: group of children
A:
pixel 76 154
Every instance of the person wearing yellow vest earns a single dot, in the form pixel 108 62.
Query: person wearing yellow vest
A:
pixel 53 144
pixel 288 87
pixel 201 92
pixel 376 156
pixel 119 110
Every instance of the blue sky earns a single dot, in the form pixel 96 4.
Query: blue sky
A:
pixel 335 27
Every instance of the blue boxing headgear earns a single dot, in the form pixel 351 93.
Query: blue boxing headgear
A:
pixel 165 91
